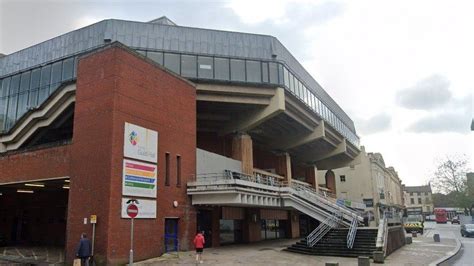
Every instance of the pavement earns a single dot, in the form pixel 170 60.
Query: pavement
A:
pixel 27 255
pixel 422 251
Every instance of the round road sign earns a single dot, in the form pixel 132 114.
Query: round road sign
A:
pixel 132 210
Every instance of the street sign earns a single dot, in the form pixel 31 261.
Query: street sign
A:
pixel 93 219
pixel 132 211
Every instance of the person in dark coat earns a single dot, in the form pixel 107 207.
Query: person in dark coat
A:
pixel 84 250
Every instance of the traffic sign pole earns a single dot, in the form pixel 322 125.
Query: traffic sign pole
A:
pixel 132 211
pixel 131 244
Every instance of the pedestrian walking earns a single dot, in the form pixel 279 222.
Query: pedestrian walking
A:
pixel 199 245
pixel 84 250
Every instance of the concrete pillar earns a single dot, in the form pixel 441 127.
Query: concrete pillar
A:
pixel 312 176
pixel 294 224
pixel 251 227
pixel 242 151
pixel 331 181
pixel 283 166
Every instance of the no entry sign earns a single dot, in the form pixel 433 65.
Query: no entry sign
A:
pixel 132 210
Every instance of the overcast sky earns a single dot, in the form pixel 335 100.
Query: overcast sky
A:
pixel 402 70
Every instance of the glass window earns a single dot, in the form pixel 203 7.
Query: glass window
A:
pixel 15 84
pixel 3 112
pixel 188 66
pixel 254 72
pixel 292 83
pixel 11 115
pixel 156 56
pixel 141 52
pixel 44 84
pixel 68 68
pixel 205 67
pixel 280 74
pixel 172 62
pixel 25 81
pixel 4 90
pixel 273 73
pixel 56 73
pixel 237 70
pixel 34 86
pixel 23 96
pixel 221 66
pixel 264 72
pixel 286 77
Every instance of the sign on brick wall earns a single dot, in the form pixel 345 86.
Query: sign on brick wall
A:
pixel 140 143
pixel 146 208
pixel 139 179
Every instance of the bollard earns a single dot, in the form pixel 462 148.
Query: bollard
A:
pixel 408 240
pixel 436 238
pixel 363 261
pixel 378 257
pixel 332 264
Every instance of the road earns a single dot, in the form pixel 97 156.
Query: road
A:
pixel 465 257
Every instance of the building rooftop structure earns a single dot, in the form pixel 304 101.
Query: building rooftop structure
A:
pixel 162 34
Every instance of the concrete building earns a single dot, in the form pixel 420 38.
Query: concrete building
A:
pixel 205 128
pixel 419 198
pixel 375 187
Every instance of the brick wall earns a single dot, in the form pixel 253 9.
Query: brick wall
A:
pixel 115 86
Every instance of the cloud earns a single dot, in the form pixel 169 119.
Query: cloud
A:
pixel 443 122
pixel 427 94
pixel 375 124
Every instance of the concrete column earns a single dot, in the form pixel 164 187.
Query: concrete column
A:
pixel 251 227
pixel 294 224
pixel 312 176
pixel 283 166
pixel 242 151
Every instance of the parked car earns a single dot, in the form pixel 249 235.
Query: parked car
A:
pixel 467 230
pixel 455 220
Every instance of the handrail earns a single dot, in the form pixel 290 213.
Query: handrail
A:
pixel 352 233
pixel 299 189
pixel 382 235
pixel 257 171
pixel 319 232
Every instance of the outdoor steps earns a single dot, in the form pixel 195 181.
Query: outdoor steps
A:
pixel 334 244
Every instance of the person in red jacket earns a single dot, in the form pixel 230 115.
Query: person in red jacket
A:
pixel 199 245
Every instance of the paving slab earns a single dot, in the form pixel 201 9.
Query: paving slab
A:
pixel 423 251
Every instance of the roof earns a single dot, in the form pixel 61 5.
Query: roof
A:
pixel 426 188
pixel 163 34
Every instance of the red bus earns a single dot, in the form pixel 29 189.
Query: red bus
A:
pixel 441 216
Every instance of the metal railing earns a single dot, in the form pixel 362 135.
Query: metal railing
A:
pixel 317 234
pixel 352 233
pixel 297 189
pixel 382 235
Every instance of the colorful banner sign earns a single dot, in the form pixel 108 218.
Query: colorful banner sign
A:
pixel 146 208
pixel 349 203
pixel 139 179
pixel 140 143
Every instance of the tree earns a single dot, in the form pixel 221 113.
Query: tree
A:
pixel 450 180
pixel 450 176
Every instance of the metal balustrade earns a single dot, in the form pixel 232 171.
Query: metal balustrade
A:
pixel 292 194
pixel 352 233
pixel 317 234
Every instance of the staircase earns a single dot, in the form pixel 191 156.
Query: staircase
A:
pixel 334 243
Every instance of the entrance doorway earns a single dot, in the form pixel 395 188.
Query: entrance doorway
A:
pixel 171 234
pixel 204 224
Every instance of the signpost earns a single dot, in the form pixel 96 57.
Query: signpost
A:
pixel 132 212
pixel 93 222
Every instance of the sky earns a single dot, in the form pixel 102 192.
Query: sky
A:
pixel 402 70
